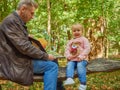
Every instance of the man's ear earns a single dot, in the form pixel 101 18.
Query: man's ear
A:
pixel 23 8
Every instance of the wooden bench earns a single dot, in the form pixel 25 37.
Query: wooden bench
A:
pixel 98 65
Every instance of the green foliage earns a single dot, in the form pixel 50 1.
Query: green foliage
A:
pixel 66 12
pixel 6 7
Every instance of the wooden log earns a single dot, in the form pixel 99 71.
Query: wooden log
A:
pixel 97 65
pixel 103 65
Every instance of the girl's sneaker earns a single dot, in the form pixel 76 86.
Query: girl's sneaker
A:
pixel 82 87
pixel 69 81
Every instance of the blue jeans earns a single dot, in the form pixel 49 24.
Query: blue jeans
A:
pixel 50 70
pixel 81 70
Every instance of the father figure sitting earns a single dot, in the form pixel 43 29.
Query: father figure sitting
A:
pixel 19 59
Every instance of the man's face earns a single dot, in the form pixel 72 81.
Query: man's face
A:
pixel 27 13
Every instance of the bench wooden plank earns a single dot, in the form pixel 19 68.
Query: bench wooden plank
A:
pixel 97 65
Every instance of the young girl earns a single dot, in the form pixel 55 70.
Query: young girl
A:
pixel 76 52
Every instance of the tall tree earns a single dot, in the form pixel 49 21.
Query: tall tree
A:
pixel 49 17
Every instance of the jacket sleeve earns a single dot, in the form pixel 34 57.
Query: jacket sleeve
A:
pixel 13 31
pixel 86 49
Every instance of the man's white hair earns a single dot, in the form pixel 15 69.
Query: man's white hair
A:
pixel 27 3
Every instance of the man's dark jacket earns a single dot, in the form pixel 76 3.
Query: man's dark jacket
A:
pixel 16 51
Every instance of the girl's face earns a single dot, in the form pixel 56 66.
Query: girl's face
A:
pixel 77 33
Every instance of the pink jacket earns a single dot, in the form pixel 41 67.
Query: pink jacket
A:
pixel 84 51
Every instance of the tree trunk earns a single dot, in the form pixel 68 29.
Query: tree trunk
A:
pixel 49 17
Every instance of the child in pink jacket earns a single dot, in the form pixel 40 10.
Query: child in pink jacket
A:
pixel 76 52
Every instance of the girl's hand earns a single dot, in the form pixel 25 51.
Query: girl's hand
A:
pixel 70 57
pixel 79 59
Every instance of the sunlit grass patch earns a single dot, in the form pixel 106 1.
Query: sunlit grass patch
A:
pixel 104 81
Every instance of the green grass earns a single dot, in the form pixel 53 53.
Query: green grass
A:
pixel 104 81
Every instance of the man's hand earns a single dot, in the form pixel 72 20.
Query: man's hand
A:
pixel 51 57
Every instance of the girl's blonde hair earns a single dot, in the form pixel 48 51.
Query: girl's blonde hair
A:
pixel 77 26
